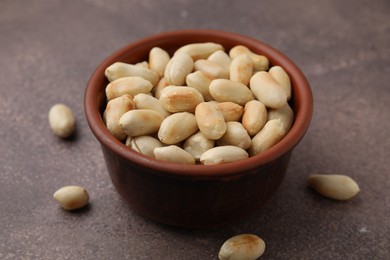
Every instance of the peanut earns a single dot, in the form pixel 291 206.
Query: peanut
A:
pixel 72 197
pixel 285 114
pixel 223 90
pixel 200 50
pixel 231 111
pixel 200 81
pixel 121 69
pixel 267 90
pixel 281 76
pixel 140 122
pixel 156 91
pixel 143 64
pixel 144 144
pixel 334 186
pixel 128 141
pixel 210 120
pixel 244 246
pixel 177 127
pixel 222 59
pixel 145 101
pixel 241 69
pixel 211 69
pixel 178 68
pixel 158 60
pixel 173 153
pixel 180 99
pixel 197 144
pixel 115 109
pixel 260 62
pixel 272 132
pixel 128 85
pixel 223 154
pixel 235 135
pixel 61 120
pixel 254 117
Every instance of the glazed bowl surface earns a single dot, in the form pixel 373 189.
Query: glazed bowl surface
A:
pixel 196 196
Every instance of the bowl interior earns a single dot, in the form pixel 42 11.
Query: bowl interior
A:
pixel 301 101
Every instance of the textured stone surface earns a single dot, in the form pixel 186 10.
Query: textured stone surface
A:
pixel 50 48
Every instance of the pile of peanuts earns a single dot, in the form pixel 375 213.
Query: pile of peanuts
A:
pixel 202 105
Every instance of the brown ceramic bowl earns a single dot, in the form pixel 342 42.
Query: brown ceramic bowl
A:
pixel 196 195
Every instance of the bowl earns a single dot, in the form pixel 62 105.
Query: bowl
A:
pixel 196 196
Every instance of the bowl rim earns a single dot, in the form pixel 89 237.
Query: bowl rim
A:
pixel 300 89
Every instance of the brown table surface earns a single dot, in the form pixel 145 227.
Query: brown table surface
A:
pixel 50 48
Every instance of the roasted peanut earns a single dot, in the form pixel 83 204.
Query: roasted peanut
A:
pixel 178 68
pixel 145 144
pixel 224 90
pixel 121 69
pixel 141 122
pixel 222 59
pixel 244 246
pixel 156 91
pixel 272 132
pixel 200 81
pixel 231 111
pixel 210 120
pixel 158 60
pixel 145 101
pixel 61 120
pixel 211 69
pixel 334 186
pixel 177 127
pixel 267 90
pixel 72 197
pixel 128 141
pixel 173 153
pixel 260 62
pixel 241 69
pixel 180 99
pixel 235 135
pixel 223 154
pixel 197 144
pixel 254 117
pixel 128 85
pixel 115 109
pixel 143 64
pixel 281 76
pixel 200 50
pixel 285 114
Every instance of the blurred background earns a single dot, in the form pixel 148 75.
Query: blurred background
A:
pixel 48 51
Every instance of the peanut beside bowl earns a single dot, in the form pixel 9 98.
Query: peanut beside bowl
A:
pixel 196 196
